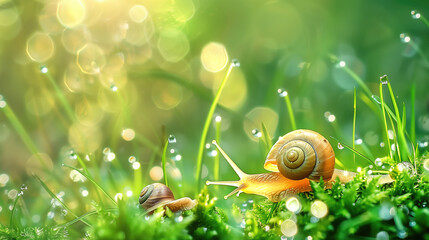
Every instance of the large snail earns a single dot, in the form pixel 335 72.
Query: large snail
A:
pixel 293 160
pixel 157 194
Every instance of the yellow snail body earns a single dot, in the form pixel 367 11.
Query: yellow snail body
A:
pixel 294 159
pixel 157 194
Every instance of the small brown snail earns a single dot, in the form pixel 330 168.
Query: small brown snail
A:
pixel 157 194
pixel 293 160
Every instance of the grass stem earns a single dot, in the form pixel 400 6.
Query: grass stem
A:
pixel 164 162
pixel 207 125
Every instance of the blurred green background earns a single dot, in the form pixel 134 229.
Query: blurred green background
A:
pixel 135 72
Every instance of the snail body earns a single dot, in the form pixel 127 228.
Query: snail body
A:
pixel 157 194
pixel 294 160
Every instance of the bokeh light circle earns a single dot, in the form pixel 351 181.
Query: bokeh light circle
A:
pixel 173 45
pixel 256 117
pixel 214 57
pixel 138 13
pixel 40 47
pixel 71 13
pixel 91 58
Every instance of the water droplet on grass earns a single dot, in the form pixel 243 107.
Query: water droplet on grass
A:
pixel 415 14
pixel 256 133
pixel 51 214
pixel 405 38
pixel 106 150
pixel 113 87
pixel 282 92
pixel 24 187
pixel 402 234
pixel 136 165
pixel 384 80
pixel 235 63
pixel 131 159
pixel 2 101
pixel 171 139
pixel 376 99
pixel 378 162
pixel 341 64
pixel 43 69
pixel 382 235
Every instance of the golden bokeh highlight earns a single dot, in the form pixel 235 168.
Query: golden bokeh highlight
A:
pixel 88 113
pixel 173 45
pixel 91 58
pixel 214 57
pixel 156 173
pixel 128 134
pixel 8 15
pixel 256 117
pixel 319 209
pixel 38 164
pixel 71 13
pixel 139 33
pixel 138 13
pixel 40 47
pixel 166 95
pixel 289 228
pixel 84 139
pixel 74 39
pixel 48 18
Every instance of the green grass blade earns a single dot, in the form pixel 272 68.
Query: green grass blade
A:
pixel 60 95
pixel 216 158
pixel 401 132
pixel 385 121
pixel 53 195
pixel 266 139
pixel 207 125
pixel 13 210
pixel 289 108
pixel 404 116
pixel 164 163
pixel 93 181
pixel 354 125
pixel 354 150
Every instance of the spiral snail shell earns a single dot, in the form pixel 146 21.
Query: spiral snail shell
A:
pixel 302 154
pixel 293 160
pixel 158 195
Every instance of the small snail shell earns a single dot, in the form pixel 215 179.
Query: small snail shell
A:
pixel 302 154
pixel 297 147
pixel 157 194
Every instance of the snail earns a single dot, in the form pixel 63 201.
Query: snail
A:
pixel 157 194
pixel 294 160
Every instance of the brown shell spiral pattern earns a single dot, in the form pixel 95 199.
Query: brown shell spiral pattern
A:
pixel 302 154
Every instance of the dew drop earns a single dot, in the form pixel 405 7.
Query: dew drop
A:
pixel 72 155
pixel 24 187
pixel 179 218
pixel 415 14
pixel 376 99
pixel 106 150
pixel 382 235
pixel 171 139
pixel 113 87
pixel 402 234
pixel 341 64
pixel 131 159
pixel 2 102
pixel 382 144
pixel 384 80
pixel 218 118
pixel 412 223
pixel 256 133
pixel 369 172
pixel 282 93
pixel 358 141
pixel 136 165
pixel 405 38
pixel 118 197
pixel 51 214
pixel 235 63
pixel 423 144
pixel 378 162
pixel 64 212
pixel 43 69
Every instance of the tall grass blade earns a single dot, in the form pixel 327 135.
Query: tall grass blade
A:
pixel 354 125
pixel 290 111
pixel 13 210
pixel 54 196
pixel 216 158
pixel 385 121
pixel 94 182
pixel 354 150
pixel 164 163
pixel 266 139
pixel 207 125
pixel 413 114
